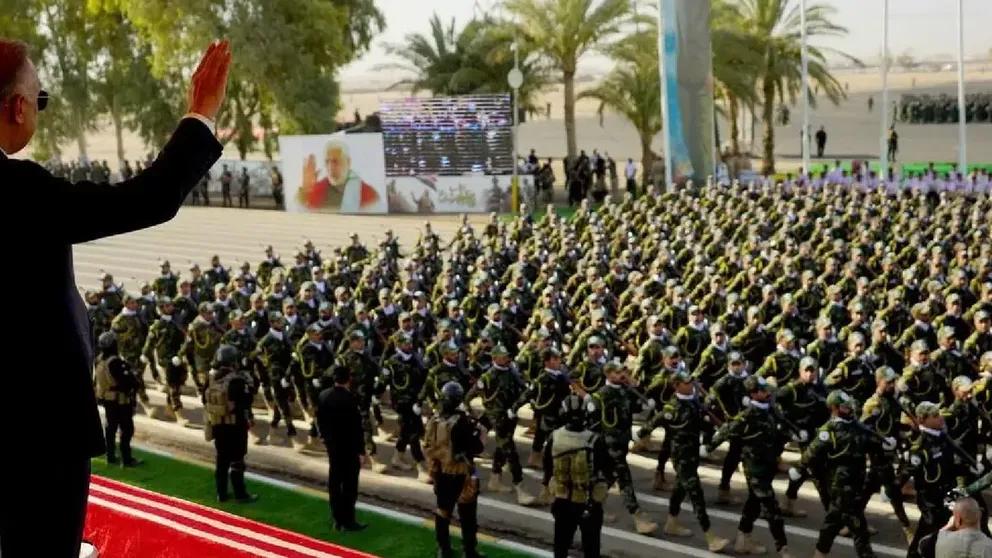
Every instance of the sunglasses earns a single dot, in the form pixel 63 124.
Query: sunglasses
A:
pixel 42 100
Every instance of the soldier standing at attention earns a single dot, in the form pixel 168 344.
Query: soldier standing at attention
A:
pixel 226 178
pixel 451 442
pixel 227 405
pixel 116 386
pixel 576 468
pixel 757 429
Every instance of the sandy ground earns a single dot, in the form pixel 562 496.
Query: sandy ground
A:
pixel 853 131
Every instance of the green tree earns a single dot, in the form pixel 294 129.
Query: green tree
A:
pixel 775 27
pixel 476 59
pixel 631 89
pixel 736 59
pixel 563 31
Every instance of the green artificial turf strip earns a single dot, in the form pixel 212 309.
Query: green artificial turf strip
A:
pixel 293 510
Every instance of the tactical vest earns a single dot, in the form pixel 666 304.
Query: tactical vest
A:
pixel 218 405
pixel 106 385
pixel 573 467
pixel 439 445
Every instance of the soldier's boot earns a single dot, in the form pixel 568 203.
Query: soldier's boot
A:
pixel 524 498
pixel 423 475
pixel 744 544
pixel 643 524
pixel 377 466
pixel 789 508
pixel 660 484
pixel 715 543
pixel 398 462
pixel 909 533
pixel 496 483
pixel 180 419
pixel 641 445
pixel 534 460
pixel 259 439
pixel 676 529
pixel 725 498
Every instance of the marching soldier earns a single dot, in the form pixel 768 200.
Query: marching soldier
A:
pixel 837 458
pixel 500 386
pixel 451 442
pixel 364 379
pixel 227 405
pixel 129 334
pixel 163 348
pixel 931 462
pixel 405 374
pixel 826 349
pixel 683 417
pixel 202 344
pixel 544 396
pixel 449 369
pixel 240 337
pixel 947 359
pixel 920 381
pixel 693 337
pixel 881 412
pixel 854 375
pixel 588 376
pixel 98 315
pixel 757 429
pixel 275 355
pixel 612 410
pixel 116 387
pixel 184 303
pixel 165 284
pixel 649 355
pixel 783 365
pixel 315 359
pixel 802 402
pixel 576 469
pixel 726 399
pixel 258 317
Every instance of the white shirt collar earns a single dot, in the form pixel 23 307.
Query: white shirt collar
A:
pixel 759 404
pixel 931 431
pixel 689 397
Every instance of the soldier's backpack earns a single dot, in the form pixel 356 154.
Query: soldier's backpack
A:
pixel 571 453
pixel 438 445
pixel 218 406
pixel 106 386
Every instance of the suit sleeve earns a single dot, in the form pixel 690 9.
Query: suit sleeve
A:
pixel 86 211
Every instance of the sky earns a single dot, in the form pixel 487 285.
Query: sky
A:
pixel 925 28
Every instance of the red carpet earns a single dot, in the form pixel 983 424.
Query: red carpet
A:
pixel 124 521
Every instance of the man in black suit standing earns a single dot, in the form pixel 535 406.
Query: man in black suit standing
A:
pixel 340 424
pixel 50 436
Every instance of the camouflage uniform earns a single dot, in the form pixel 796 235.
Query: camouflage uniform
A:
pixel 612 414
pixel 162 349
pixel 500 388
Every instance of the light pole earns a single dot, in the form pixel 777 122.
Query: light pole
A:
pixel 804 134
pixel 883 140
pixel 962 115
pixel 515 79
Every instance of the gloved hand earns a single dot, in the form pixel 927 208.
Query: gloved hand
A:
pixel 802 436
pixel 480 384
pixel 889 443
pixel 794 474
pixel 703 452
pixel 988 452
pixel 650 405
pixel 417 409
pixel 284 383
pixel 977 469
pixel 385 372
pixel 511 414
pixel 212 372
pixel 316 382
pixel 462 406
pixel 176 361
pixel 375 400
pixel 144 359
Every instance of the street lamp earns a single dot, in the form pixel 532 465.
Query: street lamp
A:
pixel 515 79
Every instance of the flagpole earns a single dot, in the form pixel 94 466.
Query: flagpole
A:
pixel 664 101
pixel 804 134
pixel 883 139
pixel 962 115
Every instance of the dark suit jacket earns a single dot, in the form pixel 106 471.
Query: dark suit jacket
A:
pixel 51 404
pixel 340 423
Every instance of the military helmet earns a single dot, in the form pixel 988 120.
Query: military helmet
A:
pixel 962 383
pixel 808 363
pixel 755 383
pixel 314 328
pixel 919 346
pixel 499 351
pixel 355 335
pixel 926 409
pixel 107 340
pixel 452 395
pixel 946 332
pixel 885 373
pixel 595 341
pixel 573 407
pixel 735 357
pixel 276 317
pixel 612 366
pixel 670 351
pixel 838 398
pixel 449 349
pixel 226 355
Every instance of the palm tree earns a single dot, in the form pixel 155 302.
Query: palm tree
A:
pixel 474 60
pixel 562 31
pixel 631 88
pixel 775 26
pixel 736 59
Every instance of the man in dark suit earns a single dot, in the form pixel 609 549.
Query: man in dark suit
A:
pixel 51 435
pixel 340 424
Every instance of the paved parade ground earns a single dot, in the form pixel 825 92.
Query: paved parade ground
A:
pixel 235 235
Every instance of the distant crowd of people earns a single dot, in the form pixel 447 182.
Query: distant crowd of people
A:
pixel 585 177
pixel 943 109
